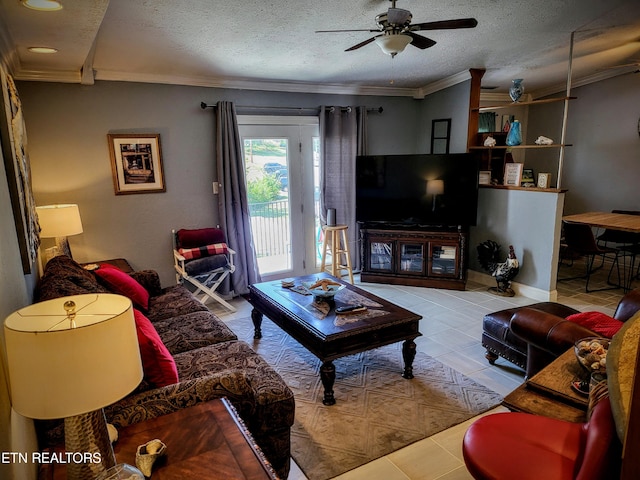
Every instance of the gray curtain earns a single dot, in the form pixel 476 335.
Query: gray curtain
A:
pixel 342 138
pixel 233 205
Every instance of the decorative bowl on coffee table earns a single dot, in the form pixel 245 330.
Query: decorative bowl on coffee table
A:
pixel 328 292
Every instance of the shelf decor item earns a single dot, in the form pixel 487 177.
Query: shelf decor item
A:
pixel 516 90
pixel 514 137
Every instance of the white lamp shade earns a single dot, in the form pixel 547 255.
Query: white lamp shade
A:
pixel 435 187
pixel 392 44
pixel 56 371
pixel 60 220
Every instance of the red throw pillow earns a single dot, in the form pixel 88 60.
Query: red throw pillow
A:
pixel 600 323
pixel 158 364
pixel 122 283
pixel 199 237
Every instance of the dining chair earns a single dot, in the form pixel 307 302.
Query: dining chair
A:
pixel 580 240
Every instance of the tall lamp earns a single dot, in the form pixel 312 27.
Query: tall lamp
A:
pixel 68 358
pixel 60 221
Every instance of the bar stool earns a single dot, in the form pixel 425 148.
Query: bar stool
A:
pixel 332 237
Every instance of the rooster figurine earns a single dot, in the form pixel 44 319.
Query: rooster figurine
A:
pixel 504 271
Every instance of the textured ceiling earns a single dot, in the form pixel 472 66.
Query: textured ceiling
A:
pixel 273 45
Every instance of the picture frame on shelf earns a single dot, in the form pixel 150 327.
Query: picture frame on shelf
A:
pixel 484 177
pixel 513 174
pixel 544 180
pixel 528 178
pixel 136 163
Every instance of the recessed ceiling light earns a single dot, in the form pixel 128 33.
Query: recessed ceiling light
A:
pixel 42 5
pixel 42 50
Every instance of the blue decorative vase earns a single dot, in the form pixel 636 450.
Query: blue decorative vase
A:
pixel 516 90
pixel 514 137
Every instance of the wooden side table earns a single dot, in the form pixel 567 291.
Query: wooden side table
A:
pixel 121 263
pixel 208 440
pixel 549 391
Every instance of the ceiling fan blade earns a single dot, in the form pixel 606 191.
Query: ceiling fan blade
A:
pixel 358 30
pixel 361 44
pixel 420 41
pixel 446 24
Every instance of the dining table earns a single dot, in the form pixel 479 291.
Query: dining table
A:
pixel 615 221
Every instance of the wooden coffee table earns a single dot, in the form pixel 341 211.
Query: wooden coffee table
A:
pixel 329 336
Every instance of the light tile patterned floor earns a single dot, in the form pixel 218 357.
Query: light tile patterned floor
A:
pixel 451 330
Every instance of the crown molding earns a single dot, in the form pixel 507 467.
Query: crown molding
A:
pixel 62 76
pixel 581 82
pixel 442 84
pixel 240 84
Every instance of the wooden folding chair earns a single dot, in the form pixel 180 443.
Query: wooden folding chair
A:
pixel 202 258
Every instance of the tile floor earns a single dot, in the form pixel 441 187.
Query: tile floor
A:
pixel 451 329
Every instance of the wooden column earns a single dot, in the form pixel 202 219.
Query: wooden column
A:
pixel 474 104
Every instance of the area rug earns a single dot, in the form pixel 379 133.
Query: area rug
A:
pixel 377 411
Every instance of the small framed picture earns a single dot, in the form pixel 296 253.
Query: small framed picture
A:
pixel 484 178
pixel 528 179
pixel 544 180
pixel 136 163
pixel 513 174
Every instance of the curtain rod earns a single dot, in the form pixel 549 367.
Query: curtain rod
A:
pixel 204 105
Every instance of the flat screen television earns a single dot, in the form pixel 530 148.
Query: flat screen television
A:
pixel 417 190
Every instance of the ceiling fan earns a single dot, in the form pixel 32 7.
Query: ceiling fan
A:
pixel 396 30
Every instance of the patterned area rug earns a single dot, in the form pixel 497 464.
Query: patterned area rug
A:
pixel 377 411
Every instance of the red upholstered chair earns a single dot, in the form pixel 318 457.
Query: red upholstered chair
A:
pixel 509 446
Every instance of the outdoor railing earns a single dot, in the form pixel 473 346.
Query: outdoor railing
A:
pixel 270 227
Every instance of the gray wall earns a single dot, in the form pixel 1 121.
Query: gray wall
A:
pixel 68 125
pixel 15 292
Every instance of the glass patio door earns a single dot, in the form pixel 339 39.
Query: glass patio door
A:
pixel 281 155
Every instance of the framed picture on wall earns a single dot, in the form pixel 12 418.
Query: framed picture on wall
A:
pixel 136 163
pixel 513 174
pixel 13 138
pixel 440 135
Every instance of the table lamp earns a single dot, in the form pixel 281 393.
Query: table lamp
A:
pixel 435 188
pixel 68 358
pixel 59 222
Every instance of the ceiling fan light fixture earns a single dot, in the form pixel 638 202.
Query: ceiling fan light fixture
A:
pixel 42 5
pixel 393 44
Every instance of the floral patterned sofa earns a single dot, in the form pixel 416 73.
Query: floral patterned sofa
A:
pixel 210 361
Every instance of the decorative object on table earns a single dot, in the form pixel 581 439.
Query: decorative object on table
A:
pixel 324 288
pixel 136 163
pixel 592 354
pixel 484 177
pixel 541 140
pixel 65 347
pixel 13 148
pixel 60 221
pixel 528 178
pixel 516 89
pixel 147 454
pixel 122 471
pixel 544 180
pixel 514 137
pixel 489 256
pixel 513 174
pixel 490 141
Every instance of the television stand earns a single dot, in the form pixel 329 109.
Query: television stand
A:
pixel 422 256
